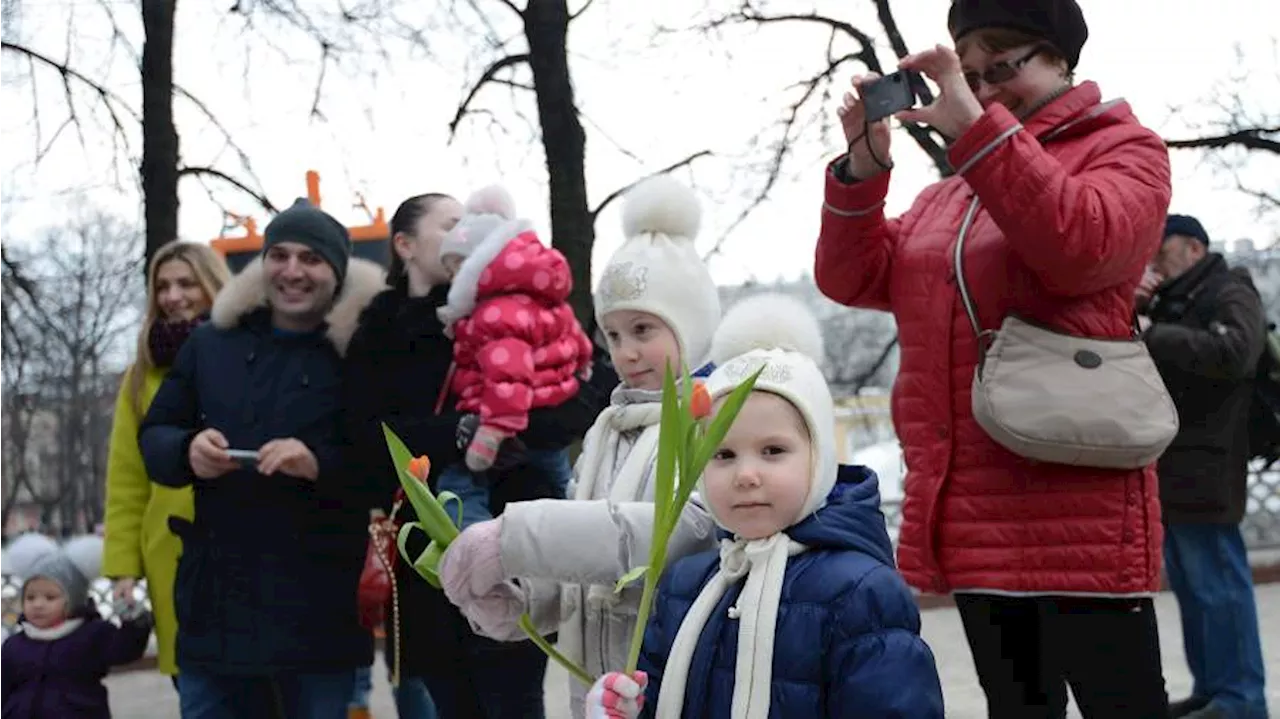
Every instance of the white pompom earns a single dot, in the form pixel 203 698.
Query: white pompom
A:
pixel 661 205
pixel 85 552
pixel 23 553
pixel 768 321
pixel 492 200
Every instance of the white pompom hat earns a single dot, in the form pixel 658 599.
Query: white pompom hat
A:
pixel 780 334
pixel 657 269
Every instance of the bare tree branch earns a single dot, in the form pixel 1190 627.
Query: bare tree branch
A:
pixel 519 13
pixel 486 77
pixel 623 190
pixel 873 369
pixel 885 13
pixel 204 109
pixel 809 105
pixel 260 198
pixel 113 103
pixel 1252 138
pixel 578 13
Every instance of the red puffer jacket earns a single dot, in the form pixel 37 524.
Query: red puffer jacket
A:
pixel 1062 237
pixel 521 346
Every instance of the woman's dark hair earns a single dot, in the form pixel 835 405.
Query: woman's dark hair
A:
pixel 996 40
pixel 405 220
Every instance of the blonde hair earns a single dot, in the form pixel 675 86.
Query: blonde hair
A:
pixel 211 272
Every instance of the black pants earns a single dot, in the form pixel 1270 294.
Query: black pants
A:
pixel 1027 650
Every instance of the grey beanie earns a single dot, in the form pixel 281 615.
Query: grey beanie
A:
pixel 72 566
pixel 308 225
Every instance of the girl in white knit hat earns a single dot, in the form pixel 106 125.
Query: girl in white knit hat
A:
pixel 658 307
pixel 800 613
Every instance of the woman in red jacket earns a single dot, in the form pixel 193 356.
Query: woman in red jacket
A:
pixel 1053 567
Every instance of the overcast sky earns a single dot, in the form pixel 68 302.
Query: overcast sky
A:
pixel 647 102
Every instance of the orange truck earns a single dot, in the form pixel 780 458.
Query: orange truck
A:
pixel 371 241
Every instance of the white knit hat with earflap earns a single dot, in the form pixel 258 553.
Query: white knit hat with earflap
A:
pixel 657 269
pixel 487 210
pixel 780 333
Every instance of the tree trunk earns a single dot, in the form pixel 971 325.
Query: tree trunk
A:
pixel 565 145
pixel 159 135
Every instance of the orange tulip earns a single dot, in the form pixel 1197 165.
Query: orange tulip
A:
pixel 700 403
pixel 420 467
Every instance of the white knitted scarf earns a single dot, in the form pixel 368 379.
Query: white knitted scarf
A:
pixel 629 410
pixel 763 562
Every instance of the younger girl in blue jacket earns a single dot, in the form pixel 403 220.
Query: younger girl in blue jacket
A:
pixel 800 613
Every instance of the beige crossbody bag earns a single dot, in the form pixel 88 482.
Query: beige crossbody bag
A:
pixel 1058 398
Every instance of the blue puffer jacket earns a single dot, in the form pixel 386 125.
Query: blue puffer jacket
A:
pixel 848 634
pixel 269 569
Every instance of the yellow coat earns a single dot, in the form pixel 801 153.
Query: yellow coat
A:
pixel 138 542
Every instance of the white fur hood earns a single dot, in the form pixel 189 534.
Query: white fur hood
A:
pixel 246 292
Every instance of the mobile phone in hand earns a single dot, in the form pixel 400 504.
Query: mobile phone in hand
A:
pixel 246 457
pixel 894 93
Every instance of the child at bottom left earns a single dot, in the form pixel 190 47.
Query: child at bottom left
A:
pixel 53 666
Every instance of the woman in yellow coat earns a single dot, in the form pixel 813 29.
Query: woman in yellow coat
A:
pixel 182 280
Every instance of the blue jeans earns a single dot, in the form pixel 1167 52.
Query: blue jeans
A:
pixel 413 701
pixel 554 463
pixel 1208 568
pixel 204 695
pixel 362 687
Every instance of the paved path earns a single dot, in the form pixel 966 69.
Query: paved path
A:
pixel 147 695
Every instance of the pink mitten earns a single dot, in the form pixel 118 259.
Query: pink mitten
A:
pixel 484 448
pixel 496 615
pixel 617 696
pixel 472 565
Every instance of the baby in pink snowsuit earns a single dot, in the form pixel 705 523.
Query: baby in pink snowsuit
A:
pixel 517 344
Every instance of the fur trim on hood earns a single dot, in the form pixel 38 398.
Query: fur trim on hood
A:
pixel 246 292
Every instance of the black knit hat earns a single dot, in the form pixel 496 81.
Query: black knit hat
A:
pixel 1058 21
pixel 1187 226
pixel 308 225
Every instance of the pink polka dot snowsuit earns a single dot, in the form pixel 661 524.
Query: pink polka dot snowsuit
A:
pixel 521 347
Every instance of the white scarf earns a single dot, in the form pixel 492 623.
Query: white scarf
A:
pixel 53 633
pixel 630 410
pixel 763 562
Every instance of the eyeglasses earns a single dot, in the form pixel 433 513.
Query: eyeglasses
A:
pixel 1000 72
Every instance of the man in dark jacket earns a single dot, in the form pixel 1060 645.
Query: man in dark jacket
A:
pixel 266 587
pixel 1206 334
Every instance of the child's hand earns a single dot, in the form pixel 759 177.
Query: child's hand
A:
pixel 617 696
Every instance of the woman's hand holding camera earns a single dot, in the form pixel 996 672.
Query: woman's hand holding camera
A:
pixel 868 142
pixel 956 108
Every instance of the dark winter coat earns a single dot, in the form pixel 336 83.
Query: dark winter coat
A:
pixel 269 569
pixel 1208 331
pixel 847 642
pixel 62 677
pixel 396 368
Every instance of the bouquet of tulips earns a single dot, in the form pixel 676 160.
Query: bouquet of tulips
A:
pixel 686 442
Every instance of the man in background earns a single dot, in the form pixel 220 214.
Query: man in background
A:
pixel 1207 331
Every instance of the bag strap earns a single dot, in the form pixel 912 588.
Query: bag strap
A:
pixel 961 282
pixel 972 212
pixel 444 388
pixel 982 335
